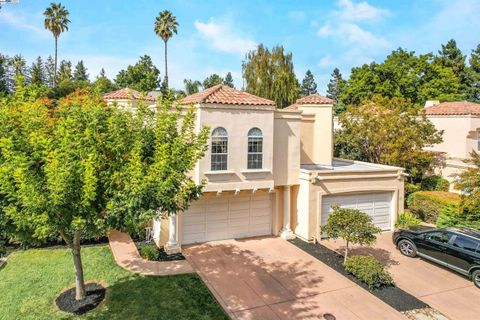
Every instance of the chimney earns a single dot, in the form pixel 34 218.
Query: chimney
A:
pixel 431 103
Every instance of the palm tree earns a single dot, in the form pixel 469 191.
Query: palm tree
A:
pixel 165 26
pixel 56 21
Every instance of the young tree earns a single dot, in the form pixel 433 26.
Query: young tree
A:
pixel 388 131
pixel 143 76
pixel 270 74
pixel 80 73
pixel 56 21
pixel 37 72
pixel 228 81
pixel 165 26
pixel 351 225
pixel 65 71
pixel 212 80
pixel 192 86
pixel 308 84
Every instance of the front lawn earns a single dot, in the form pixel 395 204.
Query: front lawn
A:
pixel 32 279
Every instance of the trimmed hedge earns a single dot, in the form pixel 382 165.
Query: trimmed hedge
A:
pixel 435 183
pixel 427 205
pixel 369 270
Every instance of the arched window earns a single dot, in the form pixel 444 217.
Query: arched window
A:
pixel 255 149
pixel 219 149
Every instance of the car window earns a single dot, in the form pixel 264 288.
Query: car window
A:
pixel 439 236
pixel 465 243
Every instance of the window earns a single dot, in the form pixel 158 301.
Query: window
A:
pixel 442 237
pixel 219 149
pixel 255 149
pixel 465 243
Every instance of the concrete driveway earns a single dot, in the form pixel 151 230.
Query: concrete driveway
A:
pixel 269 278
pixel 442 289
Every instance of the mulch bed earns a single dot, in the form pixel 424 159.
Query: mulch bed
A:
pixel 163 256
pixel 95 293
pixel 391 295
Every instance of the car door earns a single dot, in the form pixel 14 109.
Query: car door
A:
pixel 461 253
pixel 434 244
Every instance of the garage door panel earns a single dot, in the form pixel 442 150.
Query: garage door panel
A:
pixel 194 219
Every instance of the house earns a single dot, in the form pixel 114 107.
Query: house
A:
pixel 129 98
pixel 271 171
pixel 460 122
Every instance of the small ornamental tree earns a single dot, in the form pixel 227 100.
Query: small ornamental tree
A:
pixel 351 225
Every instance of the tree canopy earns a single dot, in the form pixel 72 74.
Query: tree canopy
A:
pixel 143 76
pixel 308 84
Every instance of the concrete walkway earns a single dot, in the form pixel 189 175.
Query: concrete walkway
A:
pixel 269 278
pixel 126 255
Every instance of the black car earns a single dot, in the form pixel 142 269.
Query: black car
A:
pixel 454 248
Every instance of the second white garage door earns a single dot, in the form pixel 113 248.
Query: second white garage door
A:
pixel 227 217
pixel 377 205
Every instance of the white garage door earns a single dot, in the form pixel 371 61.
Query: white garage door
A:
pixel 227 217
pixel 376 205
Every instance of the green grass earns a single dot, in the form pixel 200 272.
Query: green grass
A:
pixel 32 279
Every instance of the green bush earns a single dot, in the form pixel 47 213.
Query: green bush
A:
pixel 149 252
pixel 426 205
pixel 454 216
pixel 407 219
pixel 435 183
pixel 411 188
pixel 369 270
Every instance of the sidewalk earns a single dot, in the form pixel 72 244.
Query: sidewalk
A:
pixel 126 255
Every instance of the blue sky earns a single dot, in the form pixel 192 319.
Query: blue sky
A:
pixel 214 35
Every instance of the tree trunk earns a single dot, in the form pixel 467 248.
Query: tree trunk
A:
pixel 77 263
pixel 346 253
pixel 166 70
pixel 55 68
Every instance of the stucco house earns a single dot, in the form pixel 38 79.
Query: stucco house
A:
pixel 271 171
pixel 460 122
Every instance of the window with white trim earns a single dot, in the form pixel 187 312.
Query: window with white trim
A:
pixel 255 149
pixel 219 149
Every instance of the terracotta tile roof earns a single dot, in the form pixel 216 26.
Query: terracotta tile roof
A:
pixel 454 108
pixel 311 99
pixel 223 94
pixel 127 94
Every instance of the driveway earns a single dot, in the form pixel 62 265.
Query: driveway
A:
pixel 269 278
pixel 442 289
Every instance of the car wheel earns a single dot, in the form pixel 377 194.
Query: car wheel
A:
pixel 407 248
pixel 476 278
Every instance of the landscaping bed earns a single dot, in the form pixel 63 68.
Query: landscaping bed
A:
pixel 95 293
pixel 391 295
pixel 151 252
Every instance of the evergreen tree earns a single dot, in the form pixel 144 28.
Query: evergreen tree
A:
pixel 3 75
pixel 102 84
pixel 17 67
pixel 228 81
pixel 474 94
pixel 212 80
pixel 37 72
pixel 308 84
pixel 80 73
pixel 65 71
pixel 143 76
pixel 451 56
pixel 50 71
pixel 335 86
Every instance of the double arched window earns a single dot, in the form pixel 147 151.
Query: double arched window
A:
pixel 219 149
pixel 255 149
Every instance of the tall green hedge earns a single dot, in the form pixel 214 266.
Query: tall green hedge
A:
pixel 427 204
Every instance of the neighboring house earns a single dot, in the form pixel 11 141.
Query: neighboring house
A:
pixel 130 98
pixel 271 171
pixel 460 122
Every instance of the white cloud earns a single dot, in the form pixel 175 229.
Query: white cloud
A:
pixel 296 16
pixel 361 11
pixel 25 21
pixel 326 61
pixel 221 37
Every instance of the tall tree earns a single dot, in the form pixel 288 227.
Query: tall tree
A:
pixel 65 71
pixel 80 73
pixel 56 21
pixel 474 62
pixel 165 26
pixel 3 74
pixel 228 81
pixel 37 72
pixel 452 57
pixel 212 80
pixel 308 84
pixel 335 86
pixel 270 74
pixel 192 86
pixel 143 76
pixel 18 65
pixel 102 84
pixel 50 72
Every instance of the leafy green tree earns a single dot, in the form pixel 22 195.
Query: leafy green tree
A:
pixel 165 26
pixel 37 72
pixel 308 84
pixel 50 72
pixel 103 84
pixel 351 225
pixel 212 80
pixel 192 86
pixel 451 56
pixel 270 74
pixel 80 73
pixel 228 81
pixel 65 71
pixel 143 76
pixel 388 131
pixel 56 21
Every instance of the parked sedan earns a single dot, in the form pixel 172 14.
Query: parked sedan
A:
pixel 454 248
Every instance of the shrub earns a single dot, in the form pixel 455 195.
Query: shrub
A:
pixel 410 188
pixel 435 183
pixel 369 270
pixel 426 205
pixel 149 252
pixel 407 219
pixel 456 216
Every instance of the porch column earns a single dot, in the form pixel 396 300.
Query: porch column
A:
pixel 172 245
pixel 286 232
